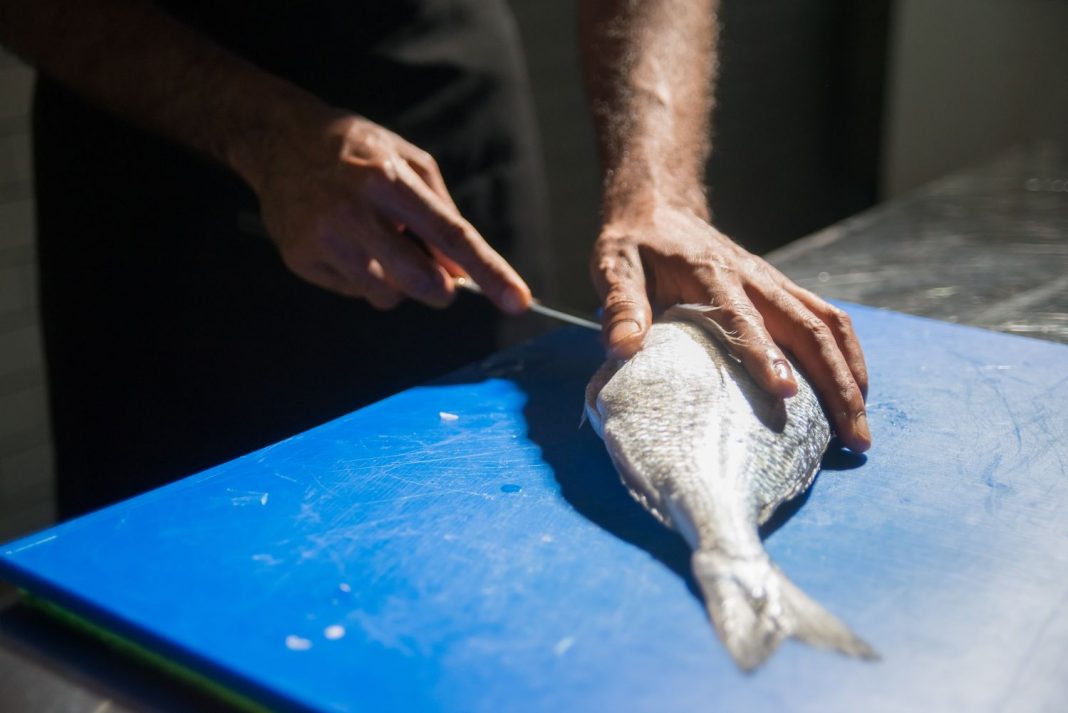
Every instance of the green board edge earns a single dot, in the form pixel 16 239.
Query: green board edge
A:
pixel 136 651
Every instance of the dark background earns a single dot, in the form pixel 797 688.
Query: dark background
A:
pixel 825 107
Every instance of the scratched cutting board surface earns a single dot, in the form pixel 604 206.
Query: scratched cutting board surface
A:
pixel 400 558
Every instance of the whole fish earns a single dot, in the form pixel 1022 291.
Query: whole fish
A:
pixel 711 455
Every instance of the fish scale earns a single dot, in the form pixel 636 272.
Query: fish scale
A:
pixel 711 455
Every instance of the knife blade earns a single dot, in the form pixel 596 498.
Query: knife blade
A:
pixel 536 306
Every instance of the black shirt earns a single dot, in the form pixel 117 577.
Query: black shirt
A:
pixel 175 339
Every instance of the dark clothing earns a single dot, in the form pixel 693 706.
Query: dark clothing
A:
pixel 174 339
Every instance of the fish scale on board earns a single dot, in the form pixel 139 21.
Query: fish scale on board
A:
pixel 711 455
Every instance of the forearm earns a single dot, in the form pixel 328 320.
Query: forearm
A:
pixel 650 68
pixel 133 59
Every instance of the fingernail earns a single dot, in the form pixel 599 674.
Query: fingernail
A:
pixel 783 371
pixel 622 331
pixel 861 421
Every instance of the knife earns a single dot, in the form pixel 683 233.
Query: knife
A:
pixel 536 306
pixel 251 224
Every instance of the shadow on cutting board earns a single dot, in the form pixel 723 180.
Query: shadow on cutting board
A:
pixel 589 483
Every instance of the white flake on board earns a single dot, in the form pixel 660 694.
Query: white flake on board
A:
pixel 334 632
pixel 297 643
pixel 563 645
pixel 446 416
pixel 241 498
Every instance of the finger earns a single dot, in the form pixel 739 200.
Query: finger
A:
pixel 364 274
pixel 409 269
pixel 448 263
pixel 411 202
pixel 377 290
pixel 620 282
pixel 427 169
pixel 747 337
pixel 348 275
pixel 841 327
pixel 811 341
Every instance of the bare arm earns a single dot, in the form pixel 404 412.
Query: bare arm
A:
pixel 335 189
pixel 650 69
pixel 142 65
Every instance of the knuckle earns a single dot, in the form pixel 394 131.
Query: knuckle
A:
pixel 849 395
pixel 382 169
pixel 709 257
pixel 816 329
pixel 740 310
pixel 839 320
pixel 712 271
pixel 426 160
pixel 453 236
pixel 620 301
pixel 742 318
pixel 614 264
pixel 614 267
pixel 839 389
pixel 755 262
pixel 761 271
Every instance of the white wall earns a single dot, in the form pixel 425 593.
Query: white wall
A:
pixel 969 78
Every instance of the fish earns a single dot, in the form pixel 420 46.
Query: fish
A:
pixel 711 455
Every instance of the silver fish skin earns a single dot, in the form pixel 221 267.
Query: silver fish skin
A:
pixel 711 455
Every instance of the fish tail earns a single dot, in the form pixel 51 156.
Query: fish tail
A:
pixel 754 607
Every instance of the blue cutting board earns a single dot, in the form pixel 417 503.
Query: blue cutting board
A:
pixel 401 558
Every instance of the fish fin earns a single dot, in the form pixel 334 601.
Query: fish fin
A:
pixel 799 487
pixel 753 607
pixel 700 315
pixel 816 626
pixel 636 482
pixel 592 411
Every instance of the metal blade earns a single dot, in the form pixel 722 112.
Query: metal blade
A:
pixel 537 306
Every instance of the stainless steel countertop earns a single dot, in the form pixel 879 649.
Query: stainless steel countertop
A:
pixel 987 246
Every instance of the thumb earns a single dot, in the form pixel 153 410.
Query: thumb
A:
pixel 627 314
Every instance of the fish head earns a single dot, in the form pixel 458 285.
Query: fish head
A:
pixel 594 409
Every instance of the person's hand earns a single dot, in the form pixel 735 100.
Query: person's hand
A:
pixel 666 256
pixel 357 210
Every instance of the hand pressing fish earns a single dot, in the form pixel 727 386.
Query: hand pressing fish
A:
pixel 712 456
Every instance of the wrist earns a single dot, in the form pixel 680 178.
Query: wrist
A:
pixel 278 114
pixel 629 197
